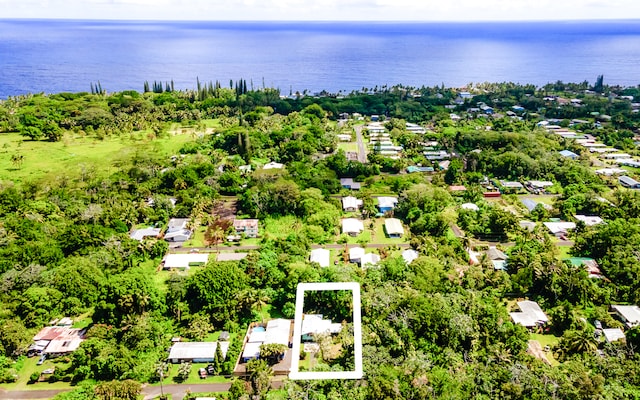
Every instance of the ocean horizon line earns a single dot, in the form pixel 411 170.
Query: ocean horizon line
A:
pixel 324 21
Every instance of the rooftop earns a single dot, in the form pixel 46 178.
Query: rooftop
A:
pixel 182 260
pixel 194 350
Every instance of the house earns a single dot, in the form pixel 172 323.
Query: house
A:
pixel 393 227
pixel 411 169
pixel 569 154
pixel 184 260
pixel 409 255
pixel 589 220
pixel 276 331
pixel 351 204
pixel 629 182
pixel 559 229
pixel 498 258
pixel 314 324
pixel 610 171
pixel 511 186
pixel 273 165
pixel 530 314
pixel 415 128
pixel 528 225
pixel 356 254
pixel 140 234
pixel 613 334
pixel 56 341
pixel 529 204
pixel 344 137
pixel 320 256
pixel 352 226
pixel 246 227
pixel 630 315
pixel 387 203
pixel 538 186
pixel 349 183
pixel 196 352
pixel 470 206
pixel 222 257
pixel 369 259
pixel 177 230
pixel 444 165
pixel 457 188
pixel 589 264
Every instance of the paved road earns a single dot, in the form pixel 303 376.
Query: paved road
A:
pixel 362 151
pixel 149 392
pixel 29 394
pixel 179 391
pixel 374 245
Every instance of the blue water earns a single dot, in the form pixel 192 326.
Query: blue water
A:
pixel 54 56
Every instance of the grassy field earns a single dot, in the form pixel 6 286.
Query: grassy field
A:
pixel 76 156
pixel 281 227
pixel 348 146
pixel 547 340
pixel 29 366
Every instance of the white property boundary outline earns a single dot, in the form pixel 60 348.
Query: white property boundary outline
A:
pixel 354 287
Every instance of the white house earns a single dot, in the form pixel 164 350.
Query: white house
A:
pixel 630 315
pixel 356 254
pixel 394 228
pixel 185 260
pixel 248 227
pixel 177 230
pixel 350 203
pixel 559 228
pixel 369 259
pixel 320 256
pixel 589 220
pixel 530 314
pixel 352 226
pixel 140 234
pixel 387 203
pixel 196 352
pixel 273 165
pixel 409 255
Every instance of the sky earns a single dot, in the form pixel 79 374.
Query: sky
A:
pixel 324 10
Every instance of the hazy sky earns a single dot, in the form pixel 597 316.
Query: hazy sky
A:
pixel 366 10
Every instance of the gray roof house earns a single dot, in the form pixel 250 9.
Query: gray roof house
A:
pixel 530 314
pixel 630 315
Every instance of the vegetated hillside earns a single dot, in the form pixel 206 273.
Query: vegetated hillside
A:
pixel 80 171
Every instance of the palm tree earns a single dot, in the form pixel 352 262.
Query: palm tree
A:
pixel 577 342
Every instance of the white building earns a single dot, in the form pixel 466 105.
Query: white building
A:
pixel 351 204
pixel 530 314
pixel 352 226
pixel 185 260
pixel 321 256
pixel 630 315
pixel 394 228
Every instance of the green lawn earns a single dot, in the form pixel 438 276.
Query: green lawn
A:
pixel 30 366
pixel 348 146
pixel 77 157
pixel 281 227
pixel 547 340
pixel 379 235
pixel 193 376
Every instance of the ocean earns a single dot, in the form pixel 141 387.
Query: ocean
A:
pixel 57 56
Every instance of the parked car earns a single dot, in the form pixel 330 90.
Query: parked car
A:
pixel 42 358
pixel 202 372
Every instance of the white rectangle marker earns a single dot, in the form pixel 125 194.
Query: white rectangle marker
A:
pixel 354 287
